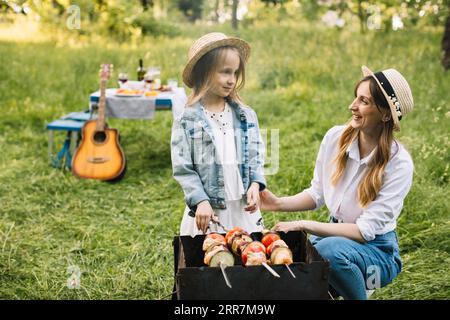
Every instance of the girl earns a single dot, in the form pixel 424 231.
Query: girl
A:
pixel 362 175
pixel 216 148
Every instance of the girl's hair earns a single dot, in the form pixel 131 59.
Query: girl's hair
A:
pixel 371 183
pixel 205 69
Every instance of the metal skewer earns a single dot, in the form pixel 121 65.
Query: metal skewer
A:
pixel 331 296
pixel 222 267
pixel 289 268
pixel 261 223
pixel 273 272
pixel 192 214
pixel 219 224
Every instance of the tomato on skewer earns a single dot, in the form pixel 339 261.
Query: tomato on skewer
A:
pixel 269 237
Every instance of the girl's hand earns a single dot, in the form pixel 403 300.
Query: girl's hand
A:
pixel 252 198
pixel 203 215
pixel 289 226
pixel 269 201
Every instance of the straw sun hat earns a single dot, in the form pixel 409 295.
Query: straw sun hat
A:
pixel 396 91
pixel 207 43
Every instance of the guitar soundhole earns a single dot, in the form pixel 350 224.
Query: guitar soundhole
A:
pixel 100 137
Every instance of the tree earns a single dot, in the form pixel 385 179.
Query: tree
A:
pixel 192 9
pixel 216 11
pixel 234 20
pixel 146 4
pixel 273 2
pixel 362 16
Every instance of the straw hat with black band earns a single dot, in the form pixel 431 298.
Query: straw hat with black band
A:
pixel 396 90
pixel 207 43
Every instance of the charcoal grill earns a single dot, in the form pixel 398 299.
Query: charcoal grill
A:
pixel 196 281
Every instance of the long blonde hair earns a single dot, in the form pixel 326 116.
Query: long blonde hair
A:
pixel 371 183
pixel 205 69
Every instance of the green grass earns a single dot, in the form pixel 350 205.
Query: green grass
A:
pixel 300 81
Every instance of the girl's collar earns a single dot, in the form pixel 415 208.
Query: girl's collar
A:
pixel 234 106
pixel 225 108
pixel 206 109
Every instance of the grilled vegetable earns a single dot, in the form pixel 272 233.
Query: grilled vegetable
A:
pixel 239 243
pixel 254 254
pixel 276 244
pixel 216 251
pixel 281 255
pixel 269 237
pixel 224 257
pixel 217 254
pixel 230 234
pixel 213 239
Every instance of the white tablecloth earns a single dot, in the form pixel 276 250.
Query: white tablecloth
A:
pixel 141 107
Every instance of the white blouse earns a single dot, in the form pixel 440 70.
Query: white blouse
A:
pixel 223 130
pixel 380 216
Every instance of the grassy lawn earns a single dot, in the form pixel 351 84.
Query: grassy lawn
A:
pixel 300 81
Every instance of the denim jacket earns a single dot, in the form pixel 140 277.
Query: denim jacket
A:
pixel 193 155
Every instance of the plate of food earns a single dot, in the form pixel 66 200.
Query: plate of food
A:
pixel 152 93
pixel 129 93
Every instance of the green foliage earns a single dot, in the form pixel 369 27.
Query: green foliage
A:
pixel 274 2
pixel 273 77
pixel 192 9
pixel 151 26
pixel 124 19
pixel 115 22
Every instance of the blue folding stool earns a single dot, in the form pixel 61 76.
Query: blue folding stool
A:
pixel 72 124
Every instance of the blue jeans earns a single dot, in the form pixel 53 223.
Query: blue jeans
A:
pixel 356 267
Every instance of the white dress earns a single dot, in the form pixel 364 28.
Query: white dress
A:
pixel 234 215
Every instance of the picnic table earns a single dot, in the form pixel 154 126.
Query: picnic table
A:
pixel 141 106
pixel 125 107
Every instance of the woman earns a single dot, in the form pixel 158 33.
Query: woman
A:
pixel 362 175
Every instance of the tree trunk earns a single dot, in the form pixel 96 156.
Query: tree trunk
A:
pixel 234 21
pixel 216 11
pixel 361 17
pixel 146 4
pixel 446 44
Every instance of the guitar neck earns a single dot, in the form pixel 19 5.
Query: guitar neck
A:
pixel 101 106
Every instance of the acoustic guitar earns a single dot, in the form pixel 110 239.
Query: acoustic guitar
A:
pixel 99 155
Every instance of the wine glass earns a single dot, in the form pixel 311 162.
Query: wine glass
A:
pixel 123 78
pixel 148 79
pixel 155 74
pixel 172 84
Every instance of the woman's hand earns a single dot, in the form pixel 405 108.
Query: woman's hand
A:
pixel 253 201
pixel 203 215
pixel 289 226
pixel 269 201
pixel 322 229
